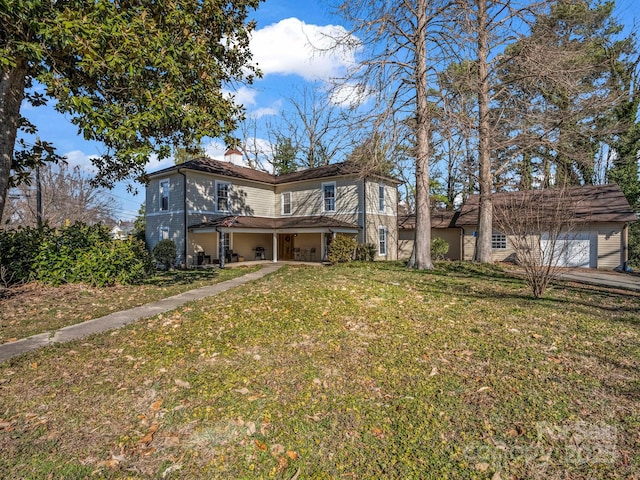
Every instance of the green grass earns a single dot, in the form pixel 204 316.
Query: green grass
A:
pixel 355 371
pixel 35 308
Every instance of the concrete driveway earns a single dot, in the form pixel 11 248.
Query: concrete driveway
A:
pixel 626 281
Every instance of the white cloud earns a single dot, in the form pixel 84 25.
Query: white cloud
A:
pixel 349 95
pixel 245 96
pixel 215 149
pixel 294 47
pixel 155 164
pixel 263 112
pixel 77 158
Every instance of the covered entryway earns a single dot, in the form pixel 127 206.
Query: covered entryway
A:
pixel 572 249
pixel 286 243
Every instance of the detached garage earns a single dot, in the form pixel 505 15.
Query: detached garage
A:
pixel 595 234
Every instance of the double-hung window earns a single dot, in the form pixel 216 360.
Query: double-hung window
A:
pixel 286 203
pixel 222 196
pixel 164 233
pixel 329 197
pixel 381 204
pixel 382 241
pixel 164 195
pixel 498 241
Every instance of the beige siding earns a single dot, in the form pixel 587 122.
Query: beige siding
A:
pixel 244 244
pixel 610 246
pixel 306 198
pixel 375 218
pixel 498 255
pixel 468 243
pixel 453 237
pixel 246 198
pixel 374 222
pixel 406 239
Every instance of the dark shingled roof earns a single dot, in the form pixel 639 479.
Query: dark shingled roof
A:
pixel 232 221
pixel 439 219
pixel 591 203
pixel 227 169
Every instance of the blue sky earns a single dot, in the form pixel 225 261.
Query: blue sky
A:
pixel 281 49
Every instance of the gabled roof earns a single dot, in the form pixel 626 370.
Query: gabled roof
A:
pixel 589 203
pixel 242 221
pixel 227 169
pixel 217 167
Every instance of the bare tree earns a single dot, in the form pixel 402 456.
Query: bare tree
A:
pixel 316 126
pixel 539 226
pixel 67 197
pixel 399 44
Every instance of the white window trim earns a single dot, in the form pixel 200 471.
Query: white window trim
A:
pixel 497 237
pixel 382 201
pixel 335 196
pixel 290 203
pixel 162 231
pixel 160 184
pixel 386 241
pixel 228 184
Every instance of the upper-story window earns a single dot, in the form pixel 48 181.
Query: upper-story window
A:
pixel 286 203
pixel 164 195
pixel 222 196
pixel 329 197
pixel 381 203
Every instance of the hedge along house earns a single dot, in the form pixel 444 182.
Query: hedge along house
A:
pixel 217 211
pixel 590 224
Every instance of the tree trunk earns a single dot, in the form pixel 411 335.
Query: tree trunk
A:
pixel 423 124
pixel 11 95
pixel 485 213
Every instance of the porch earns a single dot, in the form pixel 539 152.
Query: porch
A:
pixel 249 239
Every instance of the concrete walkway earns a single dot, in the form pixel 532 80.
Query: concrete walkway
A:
pixel 120 319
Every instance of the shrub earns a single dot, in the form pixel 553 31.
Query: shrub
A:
pixel 341 249
pixel 18 249
pixel 76 254
pixel 366 252
pixel 439 248
pixel 165 253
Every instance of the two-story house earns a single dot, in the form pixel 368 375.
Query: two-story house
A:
pixel 215 209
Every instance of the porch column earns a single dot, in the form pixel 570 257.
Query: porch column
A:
pixel 275 247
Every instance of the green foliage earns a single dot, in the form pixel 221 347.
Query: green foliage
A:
pixel 165 253
pixel 18 249
pixel 342 249
pixel 138 77
pixel 634 245
pixel 140 223
pixel 366 252
pixel 284 158
pixel 76 254
pixel 439 248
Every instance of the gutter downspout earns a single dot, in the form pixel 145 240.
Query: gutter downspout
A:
pixel 364 210
pixel 184 200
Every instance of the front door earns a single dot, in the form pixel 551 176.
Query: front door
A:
pixel 285 246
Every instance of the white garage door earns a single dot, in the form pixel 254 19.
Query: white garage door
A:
pixel 576 249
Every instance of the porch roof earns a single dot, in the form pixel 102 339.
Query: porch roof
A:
pixel 266 223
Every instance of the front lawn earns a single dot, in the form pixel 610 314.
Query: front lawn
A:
pixel 36 308
pixel 356 371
